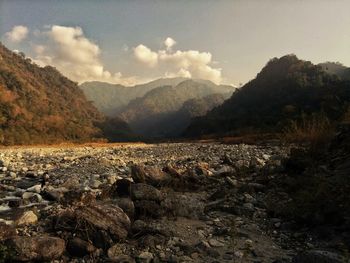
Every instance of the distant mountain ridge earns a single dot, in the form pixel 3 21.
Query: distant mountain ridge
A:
pixel 150 114
pixel 111 98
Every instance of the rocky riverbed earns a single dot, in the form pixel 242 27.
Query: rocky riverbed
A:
pixel 146 203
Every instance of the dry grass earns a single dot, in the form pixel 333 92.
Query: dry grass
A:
pixel 74 145
pixel 315 130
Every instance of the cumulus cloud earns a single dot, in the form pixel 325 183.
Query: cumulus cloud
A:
pixel 190 63
pixel 17 34
pixel 145 55
pixel 77 57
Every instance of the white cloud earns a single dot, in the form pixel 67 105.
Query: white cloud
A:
pixel 77 57
pixel 169 43
pixel 145 55
pixel 17 34
pixel 190 63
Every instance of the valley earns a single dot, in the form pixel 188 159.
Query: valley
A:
pixel 182 203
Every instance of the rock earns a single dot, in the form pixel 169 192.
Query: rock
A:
pixel 35 189
pixel 95 184
pixel 127 205
pixel 101 222
pixel 32 197
pixel 27 218
pixel 138 173
pixel 257 162
pixel 318 256
pixel 141 228
pixel 148 174
pixel 225 170
pixel 54 194
pixel 123 259
pixel 116 254
pixel 148 208
pixel 39 248
pixel 238 254
pixel 6 231
pixel 145 192
pixel 79 248
pixel 232 182
pixel 14 203
pixel 145 257
pixel 121 188
pixel 215 243
pixel 107 217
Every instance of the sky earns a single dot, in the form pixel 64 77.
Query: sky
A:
pixel 132 41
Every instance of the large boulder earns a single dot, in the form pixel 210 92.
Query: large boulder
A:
pixel 148 174
pixel 103 223
pixel 107 217
pixel 142 191
pixel 39 248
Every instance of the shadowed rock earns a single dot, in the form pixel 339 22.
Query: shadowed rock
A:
pixel 38 248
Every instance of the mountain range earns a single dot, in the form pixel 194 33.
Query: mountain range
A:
pixel 40 105
pixel 152 110
pixel 111 98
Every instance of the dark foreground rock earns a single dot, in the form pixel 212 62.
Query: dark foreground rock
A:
pixel 39 248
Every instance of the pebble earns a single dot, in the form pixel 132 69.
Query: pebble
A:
pixel 27 218
pixel 215 243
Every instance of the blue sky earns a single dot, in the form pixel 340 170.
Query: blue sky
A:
pixel 231 40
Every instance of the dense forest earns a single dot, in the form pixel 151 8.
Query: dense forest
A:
pixel 39 105
pixel 286 90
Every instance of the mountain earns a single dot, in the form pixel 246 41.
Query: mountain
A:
pixel 111 98
pixel 150 115
pixel 286 89
pixel 39 105
pixel 336 68
pixel 175 123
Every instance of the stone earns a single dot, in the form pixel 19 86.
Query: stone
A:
pixel 215 243
pixel 32 197
pixel 103 222
pixel 116 254
pixel 148 208
pixel 145 257
pixel 14 203
pixel 35 189
pixel 95 184
pixel 39 248
pixel 127 205
pixel 79 248
pixel 145 192
pixel 54 194
pixel 27 218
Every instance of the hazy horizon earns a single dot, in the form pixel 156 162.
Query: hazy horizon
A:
pixel 135 42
